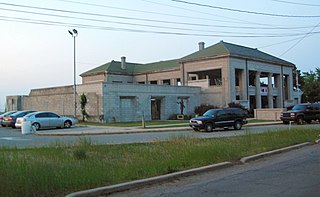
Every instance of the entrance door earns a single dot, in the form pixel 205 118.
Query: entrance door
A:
pixel 155 109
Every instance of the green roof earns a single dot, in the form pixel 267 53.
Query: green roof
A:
pixel 224 48
pixel 216 50
pixel 114 67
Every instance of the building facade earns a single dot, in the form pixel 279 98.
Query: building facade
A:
pixel 121 91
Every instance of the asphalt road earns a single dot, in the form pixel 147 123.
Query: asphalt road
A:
pixel 291 174
pixel 13 138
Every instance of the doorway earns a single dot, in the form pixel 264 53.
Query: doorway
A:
pixel 155 109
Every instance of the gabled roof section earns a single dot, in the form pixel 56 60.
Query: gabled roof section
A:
pixel 157 66
pixel 228 49
pixel 113 67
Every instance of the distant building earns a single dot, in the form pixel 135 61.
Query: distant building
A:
pixel 121 91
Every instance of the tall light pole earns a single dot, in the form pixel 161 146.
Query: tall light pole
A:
pixel 74 34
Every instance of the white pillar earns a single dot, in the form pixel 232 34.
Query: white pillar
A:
pixel 270 91
pixel 258 90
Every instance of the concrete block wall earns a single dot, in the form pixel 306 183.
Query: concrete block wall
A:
pixel 268 114
pixel 138 100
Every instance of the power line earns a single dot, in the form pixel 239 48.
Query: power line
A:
pixel 137 19
pixel 77 25
pixel 310 32
pixel 246 11
pixel 295 3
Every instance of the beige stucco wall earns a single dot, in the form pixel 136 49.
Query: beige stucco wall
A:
pixel 61 100
pixel 268 114
pixel 93 78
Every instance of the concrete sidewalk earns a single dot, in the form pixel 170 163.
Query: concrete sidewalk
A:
pixel 105 130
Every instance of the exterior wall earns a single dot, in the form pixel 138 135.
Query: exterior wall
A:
pixel 158 76
pixel 214 95
pixel 268 114
pixel 61 100
pixel 128 102
pixel 111 78
pixel 93 78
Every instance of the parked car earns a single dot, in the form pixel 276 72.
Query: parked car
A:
pixel 300 113
pixel 45 119
pixel 10 120
pixel 5 114
pixel 213 118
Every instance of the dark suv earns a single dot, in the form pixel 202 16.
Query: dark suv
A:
pixel 302 112
pixel 213 118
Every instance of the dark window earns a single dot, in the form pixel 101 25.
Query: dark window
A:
pixel 153 82
pixel 166 82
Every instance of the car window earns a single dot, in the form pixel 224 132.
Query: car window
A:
pixel 41 115
pixel 210 112
pixel 221 113
pixel 299 107
pixel 52 115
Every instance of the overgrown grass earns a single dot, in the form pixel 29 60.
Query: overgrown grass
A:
pixel 62 169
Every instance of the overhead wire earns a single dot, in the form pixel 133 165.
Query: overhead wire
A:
pixel 295 3
pixel 246 11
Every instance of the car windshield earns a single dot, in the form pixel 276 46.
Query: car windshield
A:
pixel 210 112
pixel 299 107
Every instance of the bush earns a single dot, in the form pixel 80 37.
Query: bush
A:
pixel 200 110
pixel 235 105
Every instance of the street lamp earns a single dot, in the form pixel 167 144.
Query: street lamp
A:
pixel 74 34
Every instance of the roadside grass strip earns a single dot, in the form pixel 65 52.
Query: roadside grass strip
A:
pixel 65 168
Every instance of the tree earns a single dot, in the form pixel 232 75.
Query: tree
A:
pixel 83 103
pixel 311 86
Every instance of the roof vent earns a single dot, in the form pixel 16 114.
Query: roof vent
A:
pixel 201 46
pixel 123 63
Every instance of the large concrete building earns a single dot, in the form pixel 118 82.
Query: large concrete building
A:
pixel 217 75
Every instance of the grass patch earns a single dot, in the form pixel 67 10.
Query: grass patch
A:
pixel 62 169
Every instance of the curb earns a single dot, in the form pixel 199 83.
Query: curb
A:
pixel 261 155
pixel 133 184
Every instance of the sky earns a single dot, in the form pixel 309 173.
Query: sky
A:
pixel 36 49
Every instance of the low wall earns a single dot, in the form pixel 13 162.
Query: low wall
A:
pixel 268 114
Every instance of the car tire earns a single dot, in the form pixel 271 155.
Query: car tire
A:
pixel 36 126
pixel 67 124
pixel 237 125
pixel 208 127
pixel 299 120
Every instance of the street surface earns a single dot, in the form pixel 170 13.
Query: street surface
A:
pixel 292 174
pixel 13 138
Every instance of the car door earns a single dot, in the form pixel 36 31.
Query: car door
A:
pixel 54 120
pixel 221 118
pixel 42 119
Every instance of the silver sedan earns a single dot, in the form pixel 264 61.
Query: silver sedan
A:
pixel 47 120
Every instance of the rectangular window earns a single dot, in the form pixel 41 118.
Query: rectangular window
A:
pixel 166 82
pixel 154 82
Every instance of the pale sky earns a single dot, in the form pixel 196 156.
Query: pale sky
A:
pixel 37 50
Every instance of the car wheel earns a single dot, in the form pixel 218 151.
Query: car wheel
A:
pixel 237 125
pixel 299 120
pixel 208 127
pixel 67 124
pixel 36 126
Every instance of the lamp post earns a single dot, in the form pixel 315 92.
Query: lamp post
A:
pixel 74 34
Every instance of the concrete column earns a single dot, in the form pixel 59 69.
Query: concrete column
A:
pixel 279 85
pixel 244 85
pixel 270 91
pixel 258 89
pixel 290 86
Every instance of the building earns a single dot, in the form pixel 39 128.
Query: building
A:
pixel 220 74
